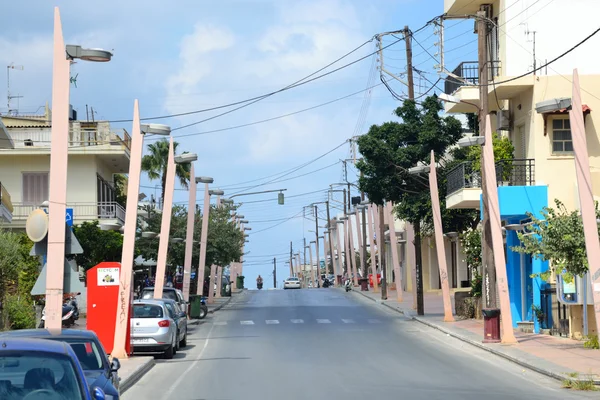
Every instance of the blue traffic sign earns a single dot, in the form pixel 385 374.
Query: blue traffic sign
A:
pixel 69 217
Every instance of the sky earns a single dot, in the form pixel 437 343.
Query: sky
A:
pixel 177 57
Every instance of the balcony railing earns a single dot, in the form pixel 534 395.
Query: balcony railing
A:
pixel 5 198
pixel 469 72
pixel 515 172
pixel 81 211
pixel 41 138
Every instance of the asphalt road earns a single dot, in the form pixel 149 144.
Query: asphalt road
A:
pixel 327 344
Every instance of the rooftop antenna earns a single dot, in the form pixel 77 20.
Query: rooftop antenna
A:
pixel 9 97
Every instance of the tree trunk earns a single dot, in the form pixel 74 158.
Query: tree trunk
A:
pixel 164 184
pixel 419 268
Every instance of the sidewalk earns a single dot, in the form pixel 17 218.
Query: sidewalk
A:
pixel 556 357
pixel 132 369
pixel 219 303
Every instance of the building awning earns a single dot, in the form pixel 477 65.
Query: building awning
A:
pixel 585 109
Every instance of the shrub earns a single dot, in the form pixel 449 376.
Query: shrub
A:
pixel 21 313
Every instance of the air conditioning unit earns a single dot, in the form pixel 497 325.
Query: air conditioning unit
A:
pixel 503 120
pixel 72 113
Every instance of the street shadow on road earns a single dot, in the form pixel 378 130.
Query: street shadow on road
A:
pixel 228 337
pixel 183 360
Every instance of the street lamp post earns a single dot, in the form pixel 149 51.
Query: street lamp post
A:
pixel 213 267
pixel 439 234
pixel 189 236
pixel 127 255
pixel 394 250
pixel 372 246
pixel 165 227
pixel 351 250
pixel 59 166
pixel 203 234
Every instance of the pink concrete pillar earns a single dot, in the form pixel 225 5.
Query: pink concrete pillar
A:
pixel 394 248
pixel 213 271
pixel 58 180
pixel 508 335
pixel 338 235
pixel 380 257
pixel 325 253
pixel 314 273
pixel 219 281
pixel 439 240
pixel 586 196
pixel 189 236
pixel 352 251
pixel 372 247
pixel 359 238
pixel 165 227
pixel 411 258
pixel 203 241
pixel 127 255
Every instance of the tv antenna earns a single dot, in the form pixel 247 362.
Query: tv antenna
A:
pixel 9 97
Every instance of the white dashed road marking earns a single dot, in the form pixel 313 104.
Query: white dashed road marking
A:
pixel 297 321
pixel 323 321
pixel 272 322
pixel 348 321
pixel 247 322
pixel 220 322
pixel 374 321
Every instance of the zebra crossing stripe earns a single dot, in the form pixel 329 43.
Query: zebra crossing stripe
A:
pixel 297 321
pixel 348 321
pixel 272 322
pixel 247 322
pixel 323 321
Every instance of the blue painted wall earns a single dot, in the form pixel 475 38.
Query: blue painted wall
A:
pixel 515 202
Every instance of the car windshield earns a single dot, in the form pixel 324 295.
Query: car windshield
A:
pixel 37 375
pixel 292 279
pixel 147 311
pixel 87 352
pixel 167 294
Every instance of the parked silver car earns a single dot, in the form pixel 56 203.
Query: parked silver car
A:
pixel 156 327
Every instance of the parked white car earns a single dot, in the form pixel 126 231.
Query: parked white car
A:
pixel 292 283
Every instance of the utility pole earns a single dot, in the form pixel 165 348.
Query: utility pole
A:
pixel 331 242
pixel 317 244
pixel 291 262
pixel 304 239
pixel 417 227
pixel 274 273
pixel 381 247
pixel 364 235
pixel 345 204
pixel 488 266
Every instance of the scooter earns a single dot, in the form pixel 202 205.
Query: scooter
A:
pixel 348 285
pixel 203 308
pixel 326 283
pixel 259 285
pixel 73 303
pixel 68 319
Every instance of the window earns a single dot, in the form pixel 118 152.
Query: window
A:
pixel 35 188
pixel 562 142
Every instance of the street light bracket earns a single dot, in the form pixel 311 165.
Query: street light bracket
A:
pixel 95 55
pixel 156 129
pixel 216 192
pixel 204 179
pixel 471 141
pixel 419 169
pixel 186 158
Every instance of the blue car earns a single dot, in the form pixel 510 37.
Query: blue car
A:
pixel 99 372
pixel 41 369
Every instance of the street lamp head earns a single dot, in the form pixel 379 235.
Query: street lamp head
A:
pixel 186 158
pixel 96 55
pixel 204 179
pixel 227 201
pixel 247 228
pixel 419 169
pixel 321 237
pixel 216 192
pixel 149 235
pixel 244 221
pixel 240 216
pixel 246 235
pixel 177 240
pixel 156 129
pixel 553 105
pixel 471 141
pixel 342 219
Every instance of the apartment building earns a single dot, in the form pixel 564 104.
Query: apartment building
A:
pixel 96 154
pixel 543 167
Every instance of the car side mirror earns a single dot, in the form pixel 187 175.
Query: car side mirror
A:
pixel 98 394
pixel 115 365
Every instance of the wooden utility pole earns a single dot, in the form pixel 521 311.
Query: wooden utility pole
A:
pixel 274 273
pixel 291 262
pixel 416 227
pixel 488 266
pixel 317 246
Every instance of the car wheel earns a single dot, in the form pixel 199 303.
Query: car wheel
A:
pixel 176 342
pixel 183 342
pixel 168 354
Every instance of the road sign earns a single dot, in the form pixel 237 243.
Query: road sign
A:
pixel 69 217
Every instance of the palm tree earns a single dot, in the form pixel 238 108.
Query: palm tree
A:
pixel 155 165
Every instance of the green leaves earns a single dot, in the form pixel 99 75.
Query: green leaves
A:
pixel 97 245
pixel 558 237
pixel 155 164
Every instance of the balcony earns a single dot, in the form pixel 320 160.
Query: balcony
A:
pixel 463 187
pixel 6 206
pixel 104 212
pixel 466 88
pixel 36 138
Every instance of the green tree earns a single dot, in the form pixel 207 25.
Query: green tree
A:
pixel 120 181
pixel 557 237
pixel 98 245
pixel 155 165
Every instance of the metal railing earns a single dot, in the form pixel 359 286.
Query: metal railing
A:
pixel 5 198
pixel 469 72
pixel 514 172
pixel 83 138
pixel 81 211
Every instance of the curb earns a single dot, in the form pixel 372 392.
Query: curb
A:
pixel 132 379
pixel 223 304
pixel 481 346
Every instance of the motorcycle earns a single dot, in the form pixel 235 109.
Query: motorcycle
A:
pixel 73 303
pixel 68 318
pixel 348 285
pixel 259 285
pixel 326 283
pixel 203 308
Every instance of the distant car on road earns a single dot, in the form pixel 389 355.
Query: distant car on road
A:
pixel 41 369
pixel 292 283
pixel 99 372
pixel 168 293
pixel 155 329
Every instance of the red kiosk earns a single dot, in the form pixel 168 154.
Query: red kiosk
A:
pixel 102 299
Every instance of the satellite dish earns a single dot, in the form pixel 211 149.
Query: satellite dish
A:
pixel 37 225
